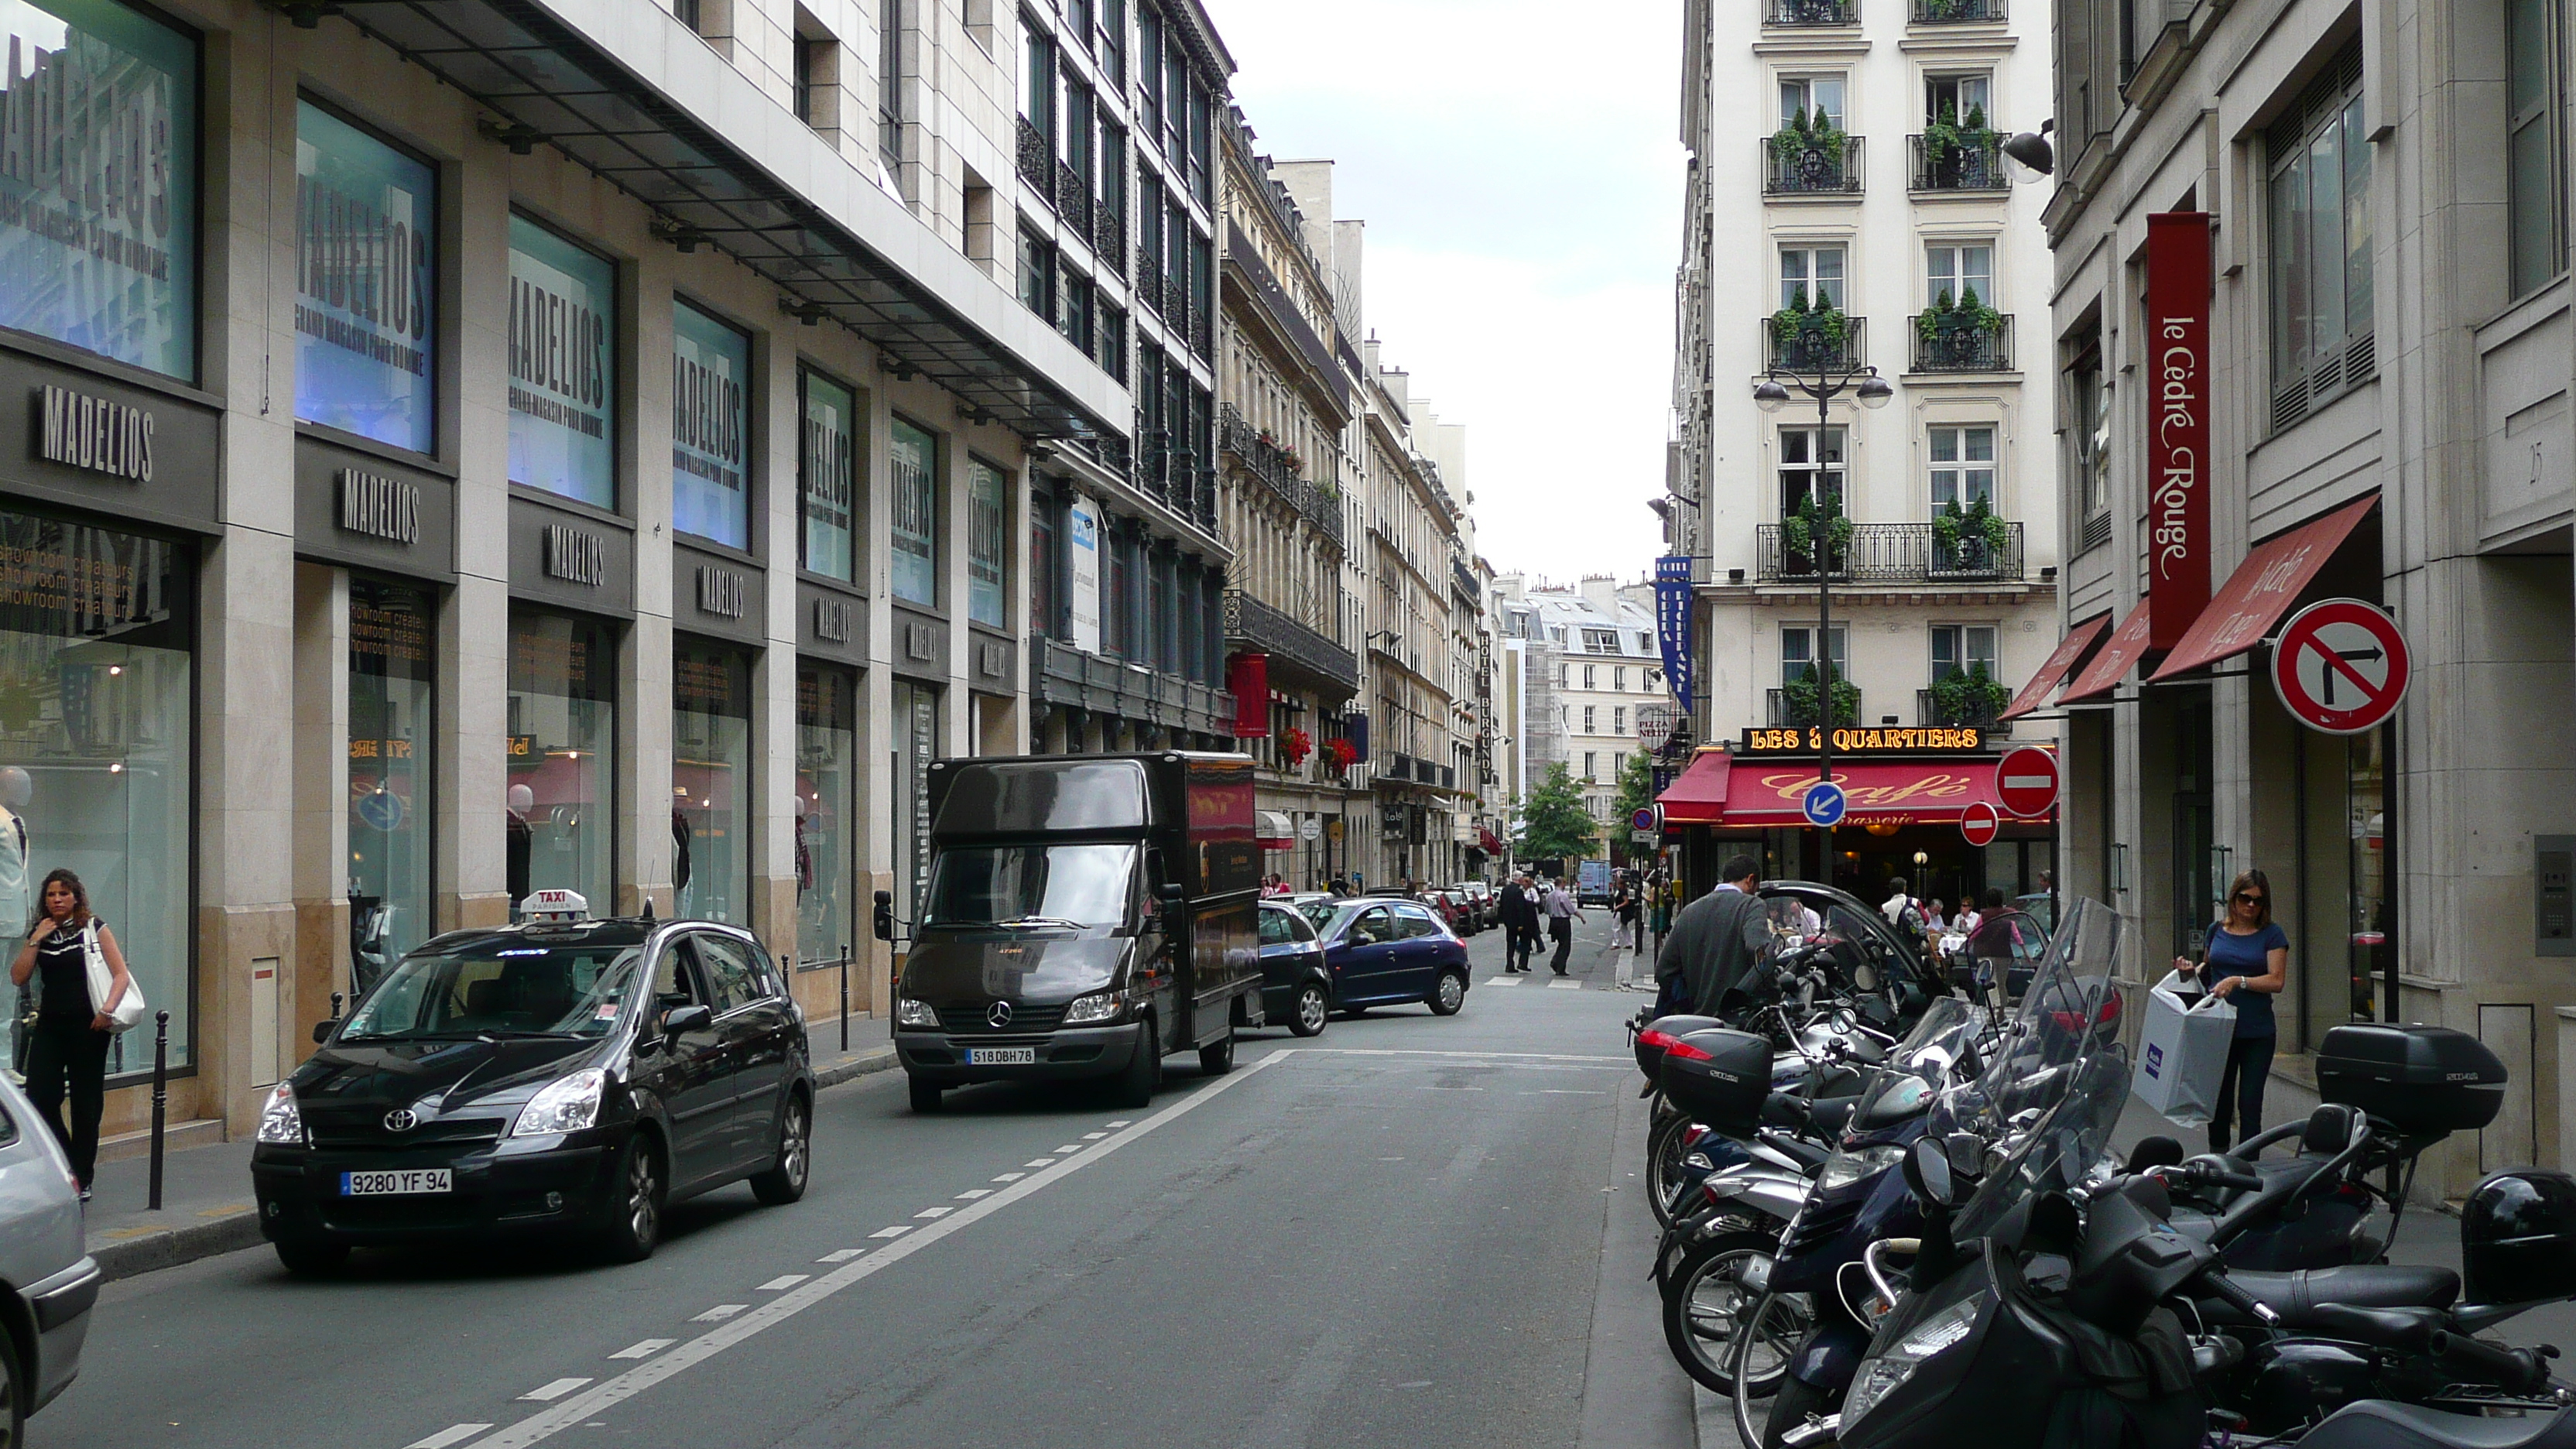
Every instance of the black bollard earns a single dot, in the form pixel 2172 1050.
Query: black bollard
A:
pixel 845 998
pixel 160 1096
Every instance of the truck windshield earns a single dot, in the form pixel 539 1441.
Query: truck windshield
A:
pixel 498 990
pixel 1030 885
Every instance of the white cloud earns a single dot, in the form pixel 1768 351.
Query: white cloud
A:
pixel 1517 168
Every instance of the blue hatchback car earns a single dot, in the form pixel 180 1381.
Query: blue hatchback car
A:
pixel 1296 985
pixel 1390 950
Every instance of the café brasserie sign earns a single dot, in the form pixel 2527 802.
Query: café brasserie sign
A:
pixel 1857 741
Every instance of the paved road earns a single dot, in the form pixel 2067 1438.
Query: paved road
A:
pixel 1393 1234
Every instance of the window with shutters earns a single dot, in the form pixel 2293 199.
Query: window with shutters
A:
pixel 2319 249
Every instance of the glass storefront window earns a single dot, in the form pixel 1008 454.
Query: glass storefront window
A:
pixel 914 498
pixel 827 812
pixel 563 366
pixel 392 716
pixel 97 632
pixel 916 724
pixel 710 782
pixel 366 284
pixel 562 753
pixel 710 376
pixel 987 542
pixel 827 477
pixel 98 181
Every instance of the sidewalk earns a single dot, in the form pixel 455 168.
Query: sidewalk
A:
pixel 206 1205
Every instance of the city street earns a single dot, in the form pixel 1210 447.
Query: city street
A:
pixel 1395 1233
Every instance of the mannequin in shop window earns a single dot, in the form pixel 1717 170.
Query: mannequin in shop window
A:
pixel 521 839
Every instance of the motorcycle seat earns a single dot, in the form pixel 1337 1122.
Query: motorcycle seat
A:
pixel 2384 1424
pixel 2361 1285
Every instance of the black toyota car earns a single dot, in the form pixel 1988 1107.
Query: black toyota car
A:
pixel 565 1076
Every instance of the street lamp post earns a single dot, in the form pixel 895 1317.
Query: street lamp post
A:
pixel 1772 393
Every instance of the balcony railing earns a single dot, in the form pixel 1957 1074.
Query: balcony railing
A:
pixel 1149 279
pixel 1931 713
pixel 1037 159
pixel 1109 236
pixel 1252 624
pixel 1807 169
pixel 1464 578
pixel 1970 164
pixel 1072 199
pixel 1961 345
pixel 1062 675
pixel 1811 12
pixel 1176 303
pixel 1894 553
pixel 1781 714
pixel 1958 12
pixel 1813 347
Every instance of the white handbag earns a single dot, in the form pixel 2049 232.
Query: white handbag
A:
pixel 129 1007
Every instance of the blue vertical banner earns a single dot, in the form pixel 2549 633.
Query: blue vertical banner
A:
pixel 1673 622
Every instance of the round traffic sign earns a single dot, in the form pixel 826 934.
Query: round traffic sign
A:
pixel 1979 822
pixel 1310 829
pixel 1824 804
pixel 1646 819
pixel 2341 666
pixel 2026 781
pixel 380 809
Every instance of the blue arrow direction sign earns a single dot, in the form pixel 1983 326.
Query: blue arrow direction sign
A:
pixel 1824 804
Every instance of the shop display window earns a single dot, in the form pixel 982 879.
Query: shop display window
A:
pixel 710 782
pixel 393 718
pixel 562 746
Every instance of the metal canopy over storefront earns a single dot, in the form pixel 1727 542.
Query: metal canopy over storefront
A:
pixel 2262 590
pixel 550 85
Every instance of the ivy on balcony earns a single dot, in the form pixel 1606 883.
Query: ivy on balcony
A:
pixel 1968 696
pixel 1970 539
pixel 1806 338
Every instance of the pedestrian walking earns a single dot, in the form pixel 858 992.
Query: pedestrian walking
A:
pixel 1562 912
pixel 67 1049
pixel 1630 907
pixel 2246 962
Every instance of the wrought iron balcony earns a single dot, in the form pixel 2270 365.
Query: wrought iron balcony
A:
pixel 1972 163
pixel 1956 342
pixel 1262 458
pixel 1073 199
pixel 1037 159
pixel 1781 712
pixel 1958 12
pixel 1176 302
pixel 1811 12
pixel 1109 236
pixel 1794 165
pixel 1465 579
pixel 1932 712
pixel 1813 344
pixel 1308 657
pixel 1149 279
pixel 1893 553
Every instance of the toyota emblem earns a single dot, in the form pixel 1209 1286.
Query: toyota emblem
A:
pixel 401 1119
pixel 999 1015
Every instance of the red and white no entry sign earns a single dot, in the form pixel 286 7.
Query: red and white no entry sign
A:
pixel 2026 781
pixel 1979 822
pixel 2341 666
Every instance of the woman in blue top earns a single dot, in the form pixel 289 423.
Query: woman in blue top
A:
pixel 2248 960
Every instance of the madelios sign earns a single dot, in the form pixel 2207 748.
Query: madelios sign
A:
pixel 1856 742
pixel 2178 281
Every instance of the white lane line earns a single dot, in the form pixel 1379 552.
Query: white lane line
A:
pixel 1093 1136
pixel 1565 983
pixel 1563 1092
pixel 973 1193
pixel 1039 1162
pixel 537 1428
pixel 645 1349
pixel 1010 1177
pixel 1500 981
pixel 720 1313
pixel 453 1434
pixel 897 1231
pixel 548 1393
pixel 939 1212
pixel 840 1255
pixel 1067 1147
pixel 1448 1089
pixel 782 1282
pixel 1121 1122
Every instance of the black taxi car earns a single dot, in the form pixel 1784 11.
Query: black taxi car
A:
pixel 565 1075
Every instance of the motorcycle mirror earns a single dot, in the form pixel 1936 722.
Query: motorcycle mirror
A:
pixel 1967 1154
pixel 1927 1172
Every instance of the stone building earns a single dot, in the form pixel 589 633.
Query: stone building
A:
pixel 1592 664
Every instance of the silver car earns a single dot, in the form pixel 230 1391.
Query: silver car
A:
pixel 43 1265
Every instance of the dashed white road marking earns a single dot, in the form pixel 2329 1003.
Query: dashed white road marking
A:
pixel 1039 1162
pixel 1093 1136
pixel 1068 1147
pixel 645 1349
pixel 1563 1092
pixel 973 1193
pixel 720 1313
pixel 897 1231
pixel 1565 983
pixel 453 1434
pixel 938 1212
pixel 840 1255
pixel 1010 1177
pixel 783 1282
pixel 548 1393
pixel 1121 1122
pixel 1513 980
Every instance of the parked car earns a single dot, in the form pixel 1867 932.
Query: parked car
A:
pixel 1457 912
pixel 1388 950
pixel 42 1263
pixel 561 1076
pixel 1296 984
pixel 1483 896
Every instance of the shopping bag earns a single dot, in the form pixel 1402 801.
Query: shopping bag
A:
pixel 2182 1053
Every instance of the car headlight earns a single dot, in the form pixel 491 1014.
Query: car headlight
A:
pixel 568 1104
pixel 1098 1006
pixel 1845 1168
pixel 1925 1341
pixel 281 1120
pixel 908 1012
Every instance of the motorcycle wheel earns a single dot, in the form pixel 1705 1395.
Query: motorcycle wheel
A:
pixel 1664 1153
pixel 1705 1316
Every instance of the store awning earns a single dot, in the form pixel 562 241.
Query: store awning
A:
pixel 2070 652
pixel 1699 796
pixel 1489 842
pixel 1893 792
pixel 1274 830
pixel 2108 667
pixel 2262 590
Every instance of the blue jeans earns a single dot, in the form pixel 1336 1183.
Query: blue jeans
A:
pixel 2240 1089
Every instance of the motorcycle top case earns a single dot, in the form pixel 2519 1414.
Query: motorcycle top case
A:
pixel 2423 1079
pixel 2518 1237
pixel 1725 1088
pixel 1652 1037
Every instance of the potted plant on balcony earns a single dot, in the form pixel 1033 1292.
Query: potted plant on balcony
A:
pixel 1799 531
pixel 1295 746
pixel 1969 696
pixel 1339 756
pixel 1799 699
pixel 1807 152
pixel 1970 539
pixel 1805 336
pixel 1959 334
pixel 1959 154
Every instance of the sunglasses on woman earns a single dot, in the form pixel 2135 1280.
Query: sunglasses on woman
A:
pixel 2248 898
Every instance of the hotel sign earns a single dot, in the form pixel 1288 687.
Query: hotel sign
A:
pixel 2178 284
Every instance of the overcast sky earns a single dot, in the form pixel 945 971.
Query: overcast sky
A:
pixel 1517 166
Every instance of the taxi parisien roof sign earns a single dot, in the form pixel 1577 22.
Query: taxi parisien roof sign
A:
pixel 1861 741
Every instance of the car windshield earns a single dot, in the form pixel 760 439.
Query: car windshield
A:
pixel 1319 913
pixel 498 989
pixel 1051 885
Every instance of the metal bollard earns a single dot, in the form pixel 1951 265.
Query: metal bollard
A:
pixel 160 1097
pixel 845 997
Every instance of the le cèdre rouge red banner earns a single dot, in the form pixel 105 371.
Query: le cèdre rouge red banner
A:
pixel 2178 283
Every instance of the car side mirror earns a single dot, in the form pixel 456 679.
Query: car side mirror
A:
pixel 680 1019
pixel 1170 893
pixel 885 916
pixel 322 1031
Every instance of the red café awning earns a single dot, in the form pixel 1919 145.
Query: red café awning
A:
pixel 1699 796
pixel 2124 649
pixel 2070 651
pixel 2262 590
pixel 1898 792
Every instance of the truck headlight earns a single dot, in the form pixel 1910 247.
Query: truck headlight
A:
pixel 568 1104
pixel 281 1120
pixel 908 1012
pixel 1098 1006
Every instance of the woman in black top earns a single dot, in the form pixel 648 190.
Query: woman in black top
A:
pixel 67 1051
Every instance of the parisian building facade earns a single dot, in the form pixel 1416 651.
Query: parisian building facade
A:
pixel 1592 664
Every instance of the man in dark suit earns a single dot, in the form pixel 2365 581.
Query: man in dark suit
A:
pixel 1714 942
pixel 1518 910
